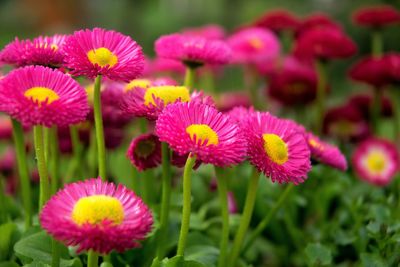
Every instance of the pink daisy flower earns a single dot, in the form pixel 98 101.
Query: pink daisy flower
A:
pixel 39 95
pixel 43 50
pixel 204 132
pixel 192 50
pixel 168 66
pixel 254 45
pixel 376 161
pixel 277 148
pixel 101 52
pixel 240 114
pixel 96 215
pixel 149 102
pixel 210 31
pixel 144 152
pixel 326 153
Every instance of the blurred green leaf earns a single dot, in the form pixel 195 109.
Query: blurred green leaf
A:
pixel 318 254
pixel 8 264
pixel 372 260
pixel 6 230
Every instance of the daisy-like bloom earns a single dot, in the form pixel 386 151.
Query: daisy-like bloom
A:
pixel 37 95
pixel 372 70
pixel 278 21
pixel 277 148
pixel 43 50
pixel 229 100
pixel 317 20
pixel 376 16
pixel 240 114
pixel 326 153
pixel 167 66
pixel 149 102
pixel 376 161
pixel 96 215
pixel 144 152
pixel 192 50
pixel 254 45
pixel 346 123
pixel 101 52
pixel 210 31
pixel 204 132
pixel 293 83
pixel 5 127
pixel 324 43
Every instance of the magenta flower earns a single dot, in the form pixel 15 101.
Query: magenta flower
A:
pixel 201 130
pixel 277 148
pixel 376 161
pixel 96 215
pixel 326 153
pixel 169 66
pixel 210 31
pixel 192 50
pixel 254 45
pixel 376 16
pixel 37 95
pixel 101 52
pixel 144 152
pixel 43 50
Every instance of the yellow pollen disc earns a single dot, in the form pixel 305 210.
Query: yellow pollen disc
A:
pixel 376 162
pixel 203 132
pixel 102 57
pixel 275 148
pixel 168 94
pixel 41 94
pixel 95 209
pixel 143 83
pixel 315 144
pixel 256 43
pixel 54 46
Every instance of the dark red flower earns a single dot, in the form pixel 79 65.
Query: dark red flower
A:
pixel 363 102
pixel 371 70
pixel 376 16
pixel 324 43
pixel 346 123
pixel 278 20
pixel 317 20
pixel 393 65
pixel 293 83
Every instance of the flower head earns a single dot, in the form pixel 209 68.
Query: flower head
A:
pixel 277 148
pixel 253 45
pixel 169 66
pixel 192 50
pixel 278 21
pixel 376 16
pixel 144 152
pixel 201 130
pixel 376 161
pixel 324 43
pixel 210 31
pixel 317 20
pixel 38 95
pixel 372 70
pixel 96 215
pixel 43 50
pixel 326 153
pixel 101 52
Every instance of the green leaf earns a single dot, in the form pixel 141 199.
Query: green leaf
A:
pixel 372 260
pixel 6 230
pixel 177 261
pixel 8 264
pixel 206 255
pixel 318 254
pixel 38 248
pixel 374 227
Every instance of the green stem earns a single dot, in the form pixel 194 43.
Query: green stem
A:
pixel 23 171
pixel 376 109
pixel 55 158
pixel 46 141
pixel 93 259
pixel 148 186
pixel 377 43
pixel 134 183
pixel 246 216
pixel 187 199
pixel 223 198
pixel 287 41
pixel 395 92
pixel 3 208
pixel 98 122
pixel 271 213
pixel 165 199
pixel 321 96
pixel 76 150
pixel 55 256
pixel 189 77
pixel 41 165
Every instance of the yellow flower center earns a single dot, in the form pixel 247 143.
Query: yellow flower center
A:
pixel 315 144
pixel 256 43
pixel 275 148
pixel 145 148
pixel 95 209
pixel 102 57
pixel 168 94
pixel 41 95
pixel 202 132
pixel 142 83
pixel 376 162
